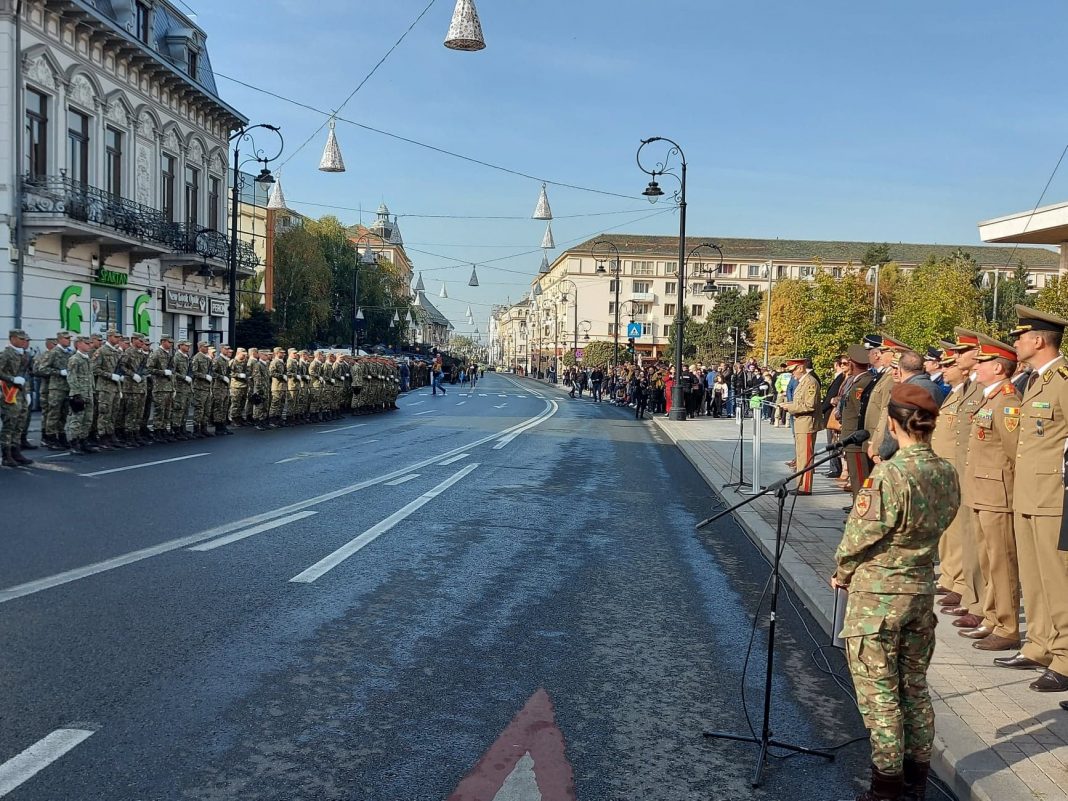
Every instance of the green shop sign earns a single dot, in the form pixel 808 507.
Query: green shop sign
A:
pixel 110 277
pixel 70 311
pixel 142 318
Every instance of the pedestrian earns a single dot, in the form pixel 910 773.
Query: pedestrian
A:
pixel 886 562
pixel 641 398
pixel 720 391
pixel 406 376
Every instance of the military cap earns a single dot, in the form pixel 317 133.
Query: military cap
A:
pixel 873 341
pixel 889 343
pixel 95 335
pixel 87 339
pixel 113 332
pixel 18 332
pixel 203 344
pixel 62 334
pixel 945 344
pixel 858 354
pixel 911 396
pixel 138 336
pixel 50 339
pixel 278 349
pixel 990 348
pixel 240 350
pixel 224 345
pixel 127 340
pixel 948 360
pixel 181 342
pixel 798 361
pixel 292 350
pixel 966 340
pixel 932 355
pixel 1035 320
pixel 166 338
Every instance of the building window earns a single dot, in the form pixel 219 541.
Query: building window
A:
pixel 36 134
pixel 642 268
pixel 166 183
pixel 105 309
pixel 611 329
pixel 671 268
pixel 78 146
pixel 725 269
pixel 782 271
pixel 638 309
pixel 192 196
pixel 113 162
pixel 611 307
pixel 612 285
pixel 639 287
pixel 214 193
pixel 697 310
pixel 836 272
pixel 808 271
pixel 648 329
pixel 696 287
pixel 669 309
pixel 753 271
pixel 143 22
pixel 193 63
pixel 753 288
pixel 670 287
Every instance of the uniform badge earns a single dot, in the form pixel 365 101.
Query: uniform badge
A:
pixel 863 504
pixel 1040 405
pixel 858 394
pixel 1012 411
pixel 981 433
pixel 1011 423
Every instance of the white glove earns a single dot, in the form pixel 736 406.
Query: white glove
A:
pixel 225 379
pixel 136 378
pixel 63 373
pixel 189 379
pixel 18 381
pixel 209 378
pixel 116 378
pixel 242 376
pixel 168 373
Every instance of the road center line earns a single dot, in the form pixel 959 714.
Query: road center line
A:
pixel 452 459
pixel 68 576
pixel 461 403
pixel 428 411
pixel 501 406
pixel 23 767
pixel 139 466
pixel 402 480
pixel 343 428
pixel 324 566
pixel 240 535
pixel 417 403
pixel 537 421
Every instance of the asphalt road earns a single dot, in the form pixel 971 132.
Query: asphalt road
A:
pixel 359 610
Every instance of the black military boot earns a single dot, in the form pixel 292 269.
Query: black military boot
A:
pixel 64 441
pixel 16 454
pixel 916 774
pixel 884 787
pixel 26 445
pixel 84 446
pixel 8 460
pixel 55 444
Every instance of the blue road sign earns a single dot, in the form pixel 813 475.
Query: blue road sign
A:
pixel 634 330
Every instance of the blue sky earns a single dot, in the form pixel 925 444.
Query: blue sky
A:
pixel 906 121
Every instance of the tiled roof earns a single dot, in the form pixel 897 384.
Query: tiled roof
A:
pixel 430 310
pixel 760 250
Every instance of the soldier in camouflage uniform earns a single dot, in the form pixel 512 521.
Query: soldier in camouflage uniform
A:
pixel 80 386
pixel 279 388
pixel 316 387
pixel 160 365
pixel 107 386
pixel 259 393
pixel 183 389
pixel 293 382
pixel 220 389
pixel 886 562
pixel 134 392
pixel 239 381
pixel 305 386
pixel 201 372
pixel 54 404
pixel 14 407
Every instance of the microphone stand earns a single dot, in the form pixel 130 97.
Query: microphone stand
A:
pixel 741 402
pixel 765 739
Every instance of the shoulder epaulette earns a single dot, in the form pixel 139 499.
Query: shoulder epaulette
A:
pixel 1009 389
pixel 1063 370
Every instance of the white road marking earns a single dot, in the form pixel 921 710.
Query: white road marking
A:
pixel 402 480
pixel 240 535
pixel 57 455
pixel 461 403
pixel 481 394
pixel 139 466
pixel 306 455
pixel 417 403
pixel 77 574
pixel 343 428
pixel 324 566
pixel 369 441
pixel 501 406
pixel 502 396
pixel 452 459
pixel 521 784
pixel 428 411
pixel 537 421
pixel 23 767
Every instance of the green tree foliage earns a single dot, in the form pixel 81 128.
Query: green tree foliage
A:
pixel 599 354
pixel 250 296
pixel 689 333
pixel 934 298
pixel 876 254
pixel 837 316
pixel 256 330
pixel 789 300
pixel 1053 297
pixel 302 285
pixel 713 339
pixel 1011 289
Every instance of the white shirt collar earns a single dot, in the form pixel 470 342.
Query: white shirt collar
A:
pixel 1047 365
pixel 992 388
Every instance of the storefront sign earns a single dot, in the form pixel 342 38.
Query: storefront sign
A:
pixel 70 311
pixel 218 307
pixel 142 318
pixel 110 277
pixel 177 300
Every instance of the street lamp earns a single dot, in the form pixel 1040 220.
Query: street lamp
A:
pixel 653 192
pixel 617 271
pixel 265 177
pixel 986 285
pixel 367 258
pixel 872 279
pixel 769 274
pixel 563 297
pixel 709 289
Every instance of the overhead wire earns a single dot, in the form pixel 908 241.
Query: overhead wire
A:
pixel 1016 245
pixel 465 216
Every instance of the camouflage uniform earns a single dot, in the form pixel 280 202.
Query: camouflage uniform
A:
pixel 161 365
pixel 14 415
pixel 134 390
pixel 886 558
pixel 107 388
pixel 259 394
pixel 183 390
pixel 240 368
pixel 220 390
pixel 202 380
pixel 55 402
pixel 305 385
pixel 316 385
pixel 279 387
pixel 80 384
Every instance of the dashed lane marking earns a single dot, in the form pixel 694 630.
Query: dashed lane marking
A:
pixel 211 545
pixel 453 459
pixel 306 455
pixel 402 480
pixel 343 428
pixel 23 767
pixel 139 466
pixel 461 403
pixel 501 406
pixel 417 403
pixel 428 411
pixel 324 566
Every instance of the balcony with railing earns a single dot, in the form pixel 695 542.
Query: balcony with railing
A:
pixel 82 214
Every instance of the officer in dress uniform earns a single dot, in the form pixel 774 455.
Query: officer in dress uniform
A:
pixel 886 562
pixel 808 419
pixel 988 476
pixel 944 443
pixel 1038 499
pixel 849 413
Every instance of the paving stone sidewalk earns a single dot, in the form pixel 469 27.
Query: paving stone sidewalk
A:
pixel 996 740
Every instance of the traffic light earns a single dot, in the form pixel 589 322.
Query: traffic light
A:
pixel 630 347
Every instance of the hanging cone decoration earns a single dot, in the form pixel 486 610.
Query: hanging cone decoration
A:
pixel 444 293
pixel 469 315
pixel 544 263
pixel 332 161
pixel 474 277
pixel 277 201
pixel 465 31
pixel 542 211
pixel 547 241
pixel 419 287
pixel 396 318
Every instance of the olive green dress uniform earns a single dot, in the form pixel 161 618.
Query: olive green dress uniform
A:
pixel 80 384
pixel 808 421
pixel 944 444
pixel 55 365
pixel 183 389
pixel 850 407
pixel 201 371
pixel 161 365
pixel 886 558
pixel 987 492
pixel 875 412
pixel 972 574
pixel 220 389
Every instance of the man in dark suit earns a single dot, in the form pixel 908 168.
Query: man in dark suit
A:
pixel 830 400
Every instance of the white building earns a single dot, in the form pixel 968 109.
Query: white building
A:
pixel 113 200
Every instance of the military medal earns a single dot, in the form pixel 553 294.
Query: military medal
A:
pixel 981 434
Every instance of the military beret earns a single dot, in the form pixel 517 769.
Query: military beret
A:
pixel 18 332
pixel 911 396
pixel 990 348
pixel 62 334
pixel 858 354
pixel 1035 320
pixel 873 341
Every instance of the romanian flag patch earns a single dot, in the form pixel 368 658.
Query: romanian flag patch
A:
pixel 1012 411
pixel 11 392
pixel 868 483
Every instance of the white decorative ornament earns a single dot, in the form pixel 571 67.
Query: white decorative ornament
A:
pixel 277 200
pixel 332 161
pixel 40 71
pixel 196 152
pixel 547 241
pixel 542 210
pixel 465 30
pixel 117 113
pixel 143 175
pixel 171 140
pixel 81 92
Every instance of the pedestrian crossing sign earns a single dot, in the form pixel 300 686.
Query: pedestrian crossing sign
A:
pixel 634 330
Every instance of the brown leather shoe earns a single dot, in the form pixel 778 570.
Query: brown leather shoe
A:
pixel 1050 682
pixel 996 643
pixel 941 590
pixel 1018 662
pixel 968 621
pixel 974 634
pixel 955 611
pixel 950 599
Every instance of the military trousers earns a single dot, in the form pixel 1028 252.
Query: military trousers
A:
pixel 998 562
pixel 162 409
pixel 856 461
pixel 258 411
pixel 220 405
pixel 55 417
pixel 183 394
pixel 1044 578
pixel 134 412
pixel 278 403
pixel 14 419
pixel 971 587
pixel 106 400
pixel 804 445
pixel 201 404
pixel 238 399
pixel 79 424
pixel 889 643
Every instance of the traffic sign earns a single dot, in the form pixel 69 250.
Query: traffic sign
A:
pixel 634 330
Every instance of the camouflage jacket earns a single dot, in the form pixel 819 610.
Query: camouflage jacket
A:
pixel 131 363
pixel 201 368
pixel 239 369
pixel 80 375
pixel 182 363
pixel 159 362
pixel 13 364
pixel 277 372
pixel 106 364
pixel 257 377
pixel 891 536
pixel 55 361
pixel 220 368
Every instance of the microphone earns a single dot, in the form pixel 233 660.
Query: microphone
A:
pixel 855 438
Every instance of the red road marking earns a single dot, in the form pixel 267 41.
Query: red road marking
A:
pixel 533 730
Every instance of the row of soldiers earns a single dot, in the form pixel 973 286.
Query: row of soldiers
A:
pixel 103 392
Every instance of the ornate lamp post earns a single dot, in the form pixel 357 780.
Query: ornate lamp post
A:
pixel 654 192
pixel 617 270
pixel 265 177
pixel 563 297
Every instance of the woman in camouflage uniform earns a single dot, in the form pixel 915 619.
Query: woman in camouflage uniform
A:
pixel 886 561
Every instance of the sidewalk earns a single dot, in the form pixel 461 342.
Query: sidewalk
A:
pixel 995 739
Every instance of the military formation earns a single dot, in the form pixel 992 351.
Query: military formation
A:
pixel 107 392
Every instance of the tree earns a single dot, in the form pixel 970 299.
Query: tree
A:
pixel 256 330
pixel 876 254
pixel 302 284
pixel 1010 291
pixel 836 317
pixel 250 296
pixel 689 332
pixel 713 339
pixel 1053 297
pixel 789 301
pixel 937 296
pixel 599 354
